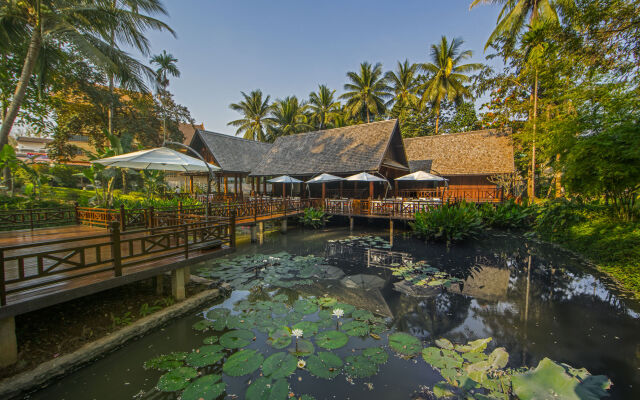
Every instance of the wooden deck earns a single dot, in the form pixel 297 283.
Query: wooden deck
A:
pixel 42 267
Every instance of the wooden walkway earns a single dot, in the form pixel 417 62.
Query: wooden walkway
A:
pixel 42 267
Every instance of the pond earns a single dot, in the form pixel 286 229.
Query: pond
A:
pixel 531 299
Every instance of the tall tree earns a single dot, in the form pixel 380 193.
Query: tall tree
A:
pixel 323 106
pixel 403 84
pixel 288 118
pixel 366 91
pixel 167 66
pixel 83 27
pixel 255 116
pixel 447 74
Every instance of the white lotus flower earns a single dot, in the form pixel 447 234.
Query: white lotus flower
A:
pixel 338 312
pixel 301 363
pixel 297 333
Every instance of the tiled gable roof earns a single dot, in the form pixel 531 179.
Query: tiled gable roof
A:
pixel 345 150
pixel 467 153
pixel 233 154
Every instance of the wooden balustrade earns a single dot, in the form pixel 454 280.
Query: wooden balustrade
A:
pixel 29 266
pixel 37 218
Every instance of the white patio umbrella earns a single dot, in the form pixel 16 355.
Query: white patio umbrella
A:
pixel 324 179
pixel 284 179
pixel 421 176
pixel 159 158
pixel 366 177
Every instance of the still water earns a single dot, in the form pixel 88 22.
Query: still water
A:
pixel 532 299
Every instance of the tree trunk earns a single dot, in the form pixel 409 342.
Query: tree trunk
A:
pixel 532 195
pixel 558 178
pixel 368 119
pixel 21 88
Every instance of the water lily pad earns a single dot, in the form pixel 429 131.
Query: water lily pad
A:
pixel 176 379
pixel 324 365
pixel 293 317
pixel 279 308
pixel 498 358
pixel 166 362
pixel 376 354
pixel 404 344
pixel 240 322
pixel 551 380
pixel 208 387
pixel 444 344
pixel 210 340
pixel 474 357
pixel 441 358
pixel 331 340
pixel 347 308
pixel 308 328
pixel 305 306
pixel 242 363
pixel 326 301
pixel 219 317
pixel 236 339
pixel 360 367
pixel 279 365
pixel 473 346
pixel 279 338
pixel 267 389
pixel 202 325
pixel 205 355
pixel 356 328
pixel 303 348
pixel 362 315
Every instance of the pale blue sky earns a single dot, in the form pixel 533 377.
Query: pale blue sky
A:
pixel 288 47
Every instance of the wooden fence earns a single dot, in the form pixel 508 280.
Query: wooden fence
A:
pixel 26 267
pixel 37 218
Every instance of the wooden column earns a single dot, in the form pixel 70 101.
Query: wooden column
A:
pixel 253 184
pixel 395 184
pixel 284 191
pixel 177 283
pixel 371 190
pixel 217 183
pixel 235 185
pixel 324 191
pixel 8 342
pixel 191 184
pixel 264 185
pixel 240 178
pixel 226 185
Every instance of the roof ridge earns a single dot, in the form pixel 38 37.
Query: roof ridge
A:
pixel 476 132
pixel 333 129
pixel 231 136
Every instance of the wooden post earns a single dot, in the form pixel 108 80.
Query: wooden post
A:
pixel 254 233
pixel 264 185
pixel 217 183
pixel 350 223
pixel 390 232
pixel 253 184
pixel 123 218
pixel 115 248
pixel 395 184
pixel 186 241
pixel 241 179
pixel 226 186
pixel 8 342
pixel 3 290
pixel 191 184
pixel 370 190
pixel 77 214
pixel 235 185
pixel 284 190
pixel 177 284
pixel 324 191
pixel 151 218
pixel 232 229
pixel 160 284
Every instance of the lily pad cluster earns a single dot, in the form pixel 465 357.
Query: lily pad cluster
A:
pixel 419 273
pixel 366 241
pixel 281 269
pixel 470 372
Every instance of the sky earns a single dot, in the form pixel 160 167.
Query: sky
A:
pixel 288 47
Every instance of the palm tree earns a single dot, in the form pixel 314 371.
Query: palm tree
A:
pixel 514 15
pixel 403 84
pixel 256 119
pixel 446 74
pixel 91 29
pixel 366 91
pixel 323 106
pixel 166 66
pixel 289 118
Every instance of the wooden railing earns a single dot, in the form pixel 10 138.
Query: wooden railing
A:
pixel 29 266
pixel 379 208
pixel 37 218
pixel 474 195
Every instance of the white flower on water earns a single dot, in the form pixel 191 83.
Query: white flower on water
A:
pixel 338 312
pixel 297 333
pixel 301 364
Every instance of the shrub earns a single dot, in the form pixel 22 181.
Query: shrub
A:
pixel 449 223
pixel 314 217
pixel 508 215
pixel 554 216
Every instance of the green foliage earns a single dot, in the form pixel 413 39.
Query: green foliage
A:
pixel 208 387
pixel 507 215
pixel 267 389
pixel 166 362
pixel 314 217
pixel 421 274
pixel 146 309
pixel 324 365
pixel 125 319
pixel 450 222
pixel 331 340
pixel 243 362
pixel 405 344
pixel 205 355
pixel 236 339
pixel 553 217
pixel 279 365
pixel 176 379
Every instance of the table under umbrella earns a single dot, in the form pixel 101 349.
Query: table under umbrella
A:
pixel 284 179
pixel 324 179
pixel 419 176
pixel 366 177
pixel 160 158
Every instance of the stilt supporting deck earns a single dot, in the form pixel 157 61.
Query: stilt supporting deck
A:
pixel 8 342
pixel 178 282
pixel 160 285
pixel 254 233
pixel 350 223
pixel 391 232
pixel 260 232
pixel 283 226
